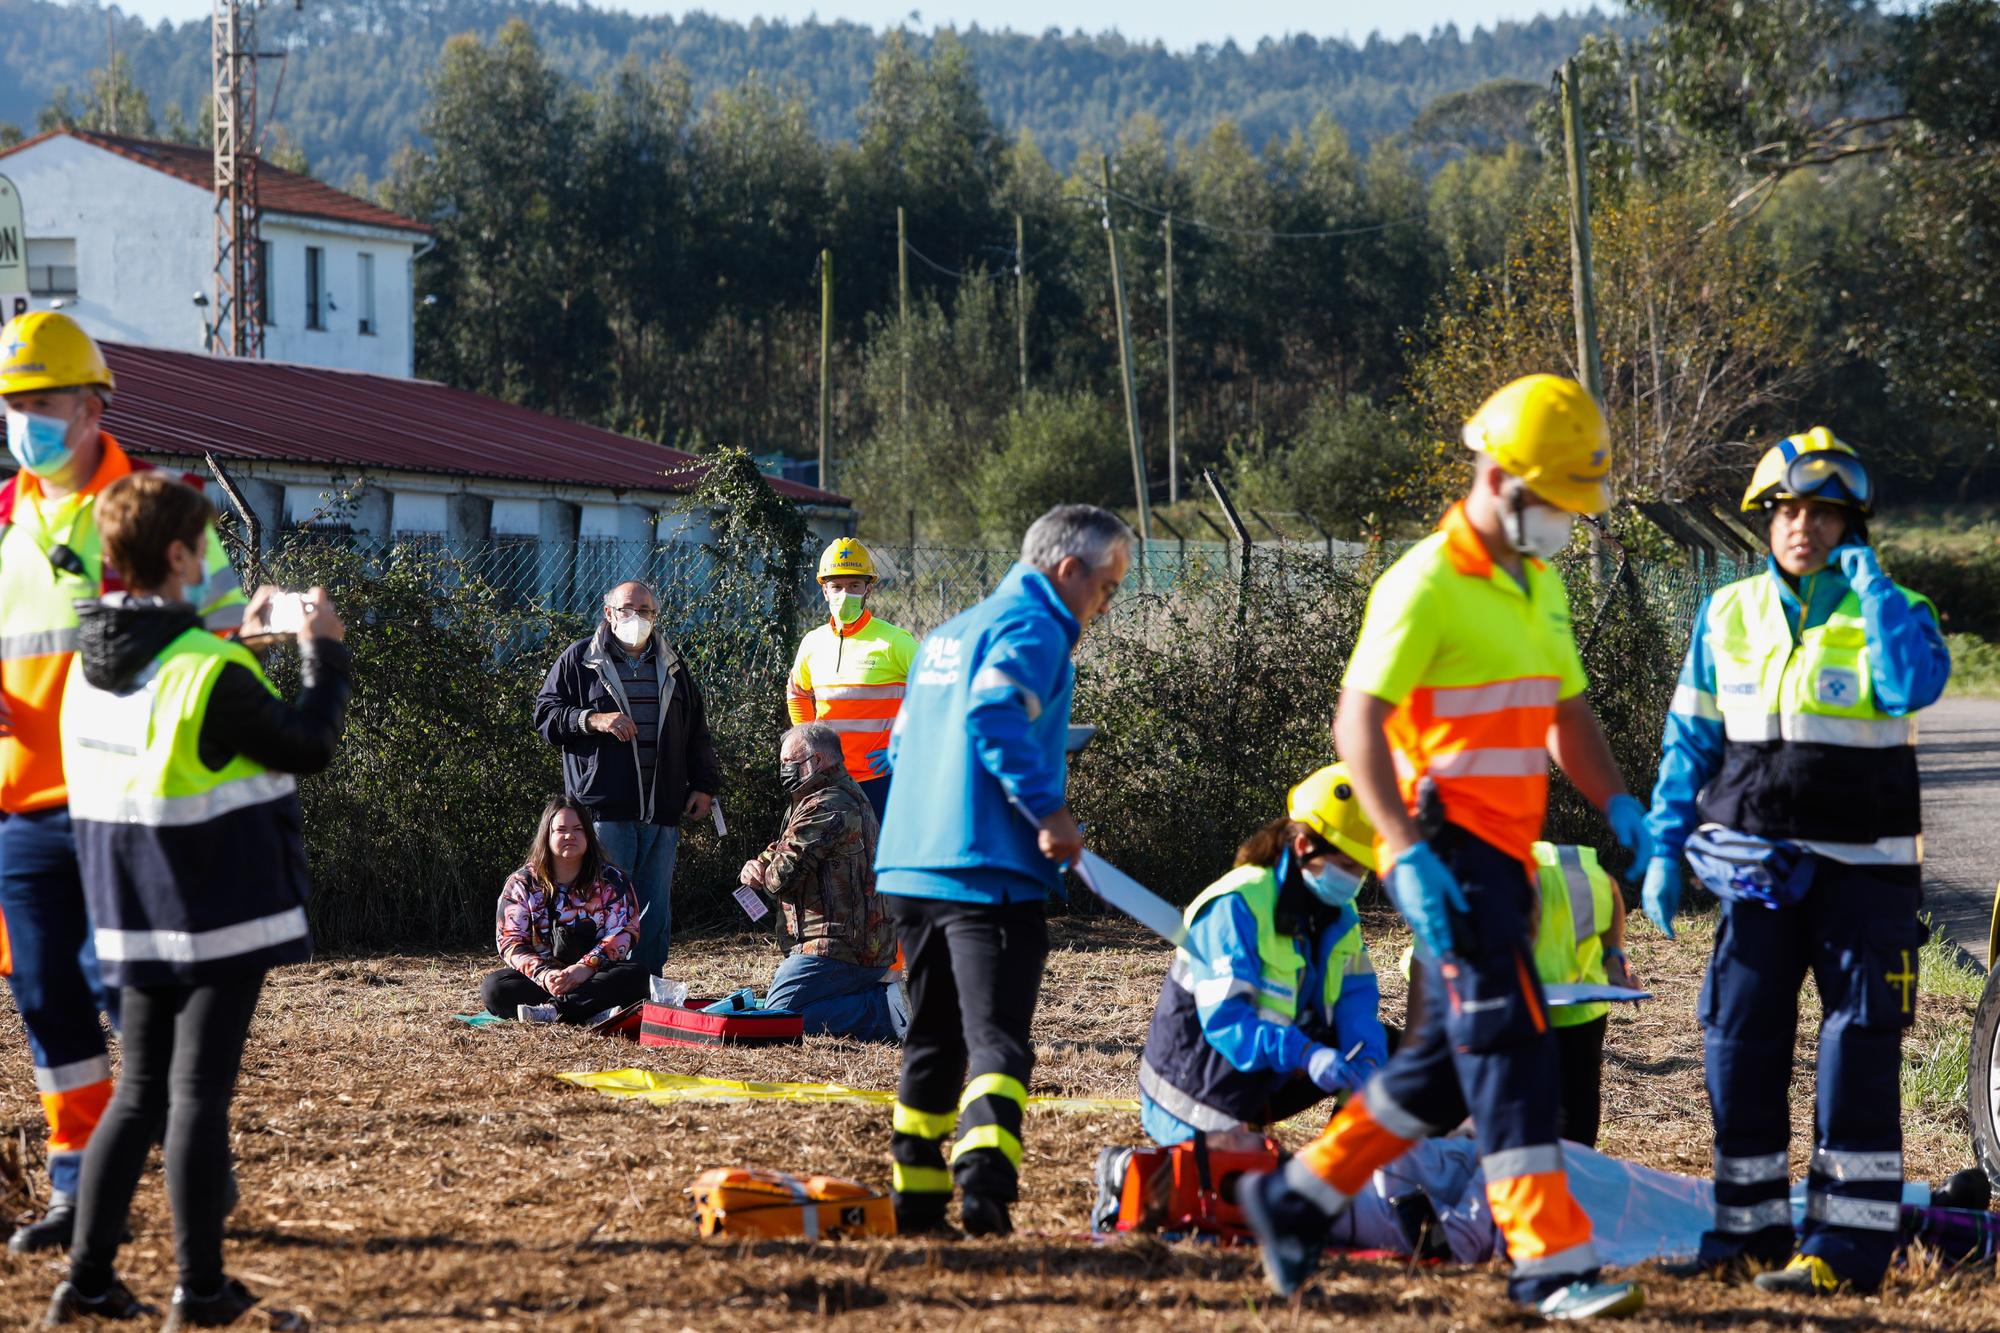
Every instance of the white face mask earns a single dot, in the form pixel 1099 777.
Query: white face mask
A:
pixel 1537 530
pixel 633 631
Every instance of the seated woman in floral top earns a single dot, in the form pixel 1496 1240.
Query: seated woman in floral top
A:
pixel 566 925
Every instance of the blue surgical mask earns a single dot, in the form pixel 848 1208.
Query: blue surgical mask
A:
pixel 1332 885
pixel 38 443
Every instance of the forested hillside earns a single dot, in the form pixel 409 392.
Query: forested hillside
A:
pixel 353 86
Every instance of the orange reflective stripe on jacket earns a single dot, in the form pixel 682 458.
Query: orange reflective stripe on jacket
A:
pixel 851 677
pixel 1475 664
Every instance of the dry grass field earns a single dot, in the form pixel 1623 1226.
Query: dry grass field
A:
pixel 401 1170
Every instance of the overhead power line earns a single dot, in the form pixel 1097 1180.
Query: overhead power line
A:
pixel 1263 232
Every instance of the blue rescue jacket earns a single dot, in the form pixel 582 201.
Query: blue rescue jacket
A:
pixel 979 750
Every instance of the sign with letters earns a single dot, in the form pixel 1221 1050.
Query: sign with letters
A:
pixel 13 253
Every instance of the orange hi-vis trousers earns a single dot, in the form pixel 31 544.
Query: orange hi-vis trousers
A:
pixel 57 987
pixel 1481 1045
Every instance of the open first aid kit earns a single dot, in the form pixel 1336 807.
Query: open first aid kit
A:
pixel 1188 1189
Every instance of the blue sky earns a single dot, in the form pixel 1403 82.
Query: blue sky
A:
pixel 1179 23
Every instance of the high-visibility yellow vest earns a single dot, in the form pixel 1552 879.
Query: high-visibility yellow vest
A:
pixel 1576 911
pixel 39 588
pixel 851 677
pixel 188 871
pixel 1808 754
pixel 1179 1070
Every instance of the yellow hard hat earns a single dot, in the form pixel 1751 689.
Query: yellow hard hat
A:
pixel 46 349
pixel 1327 804
pixel 1812 465
pixel 846 559
pixel 1549 432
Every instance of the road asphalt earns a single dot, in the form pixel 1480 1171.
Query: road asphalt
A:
pixel 1958 752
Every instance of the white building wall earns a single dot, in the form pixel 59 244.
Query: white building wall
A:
pixel 145 241
pixel 145 245
pixel 387 350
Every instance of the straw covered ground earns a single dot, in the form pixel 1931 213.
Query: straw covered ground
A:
pixel 401 1169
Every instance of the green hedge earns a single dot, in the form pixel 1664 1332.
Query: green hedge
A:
pixel 1213 694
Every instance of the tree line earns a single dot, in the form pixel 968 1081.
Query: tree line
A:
pixel 1794 223
pixel 624 253
pixel 353 88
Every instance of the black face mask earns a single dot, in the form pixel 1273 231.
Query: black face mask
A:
pixel 792 774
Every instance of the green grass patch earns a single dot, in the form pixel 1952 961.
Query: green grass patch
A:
pixel 1941 964
pixel 1937 1073
pixel 1937 1061
pixel 1975 667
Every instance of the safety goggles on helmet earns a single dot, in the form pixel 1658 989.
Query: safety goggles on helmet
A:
pixel 1826 474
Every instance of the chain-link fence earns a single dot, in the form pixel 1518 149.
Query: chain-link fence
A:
pixel 1213 679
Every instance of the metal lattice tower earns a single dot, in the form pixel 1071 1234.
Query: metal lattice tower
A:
pixel 237 324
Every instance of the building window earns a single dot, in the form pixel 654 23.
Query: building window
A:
pixel 51 268
pixel 316 298
pixel 367 282
pixel 263 284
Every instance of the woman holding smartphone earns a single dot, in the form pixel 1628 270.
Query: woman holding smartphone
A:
pixel 181 757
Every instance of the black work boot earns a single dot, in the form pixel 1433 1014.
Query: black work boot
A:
pixel 982 1215
pixel 115 1302
pixel 53 1230
pixel 224 1307
pixel 924 1215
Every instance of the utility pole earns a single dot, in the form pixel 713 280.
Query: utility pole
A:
pixel 1021 298
pixel 903 343
pixel 826 370
pixel 1125 366
pixel 1173 400
pixel 903 305
pixel 1583 288
pixel 1646 263
pixel 238 321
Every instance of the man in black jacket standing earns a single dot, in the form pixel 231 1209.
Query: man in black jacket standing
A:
pixel 625 711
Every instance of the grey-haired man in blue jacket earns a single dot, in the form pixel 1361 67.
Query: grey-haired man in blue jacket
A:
pixel 977 829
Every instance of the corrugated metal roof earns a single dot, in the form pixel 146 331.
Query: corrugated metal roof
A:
pixel 278 190
pixel 187 403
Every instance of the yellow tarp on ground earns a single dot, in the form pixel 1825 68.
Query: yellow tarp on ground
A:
pixel 652 1086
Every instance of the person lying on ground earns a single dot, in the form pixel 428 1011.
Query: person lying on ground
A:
pixel 1270 1005
pixel 821 871
pixel 566 926
pixel 181 759
pixel 1579 940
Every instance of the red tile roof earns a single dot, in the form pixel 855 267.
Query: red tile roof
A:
pixel 186 403
pixel 278 190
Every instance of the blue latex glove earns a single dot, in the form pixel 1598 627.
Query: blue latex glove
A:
pixel 1424 891
pixel 1328 1071
pixel 1628 825
pixel 1662 894
pixel 1858 565
pixel 878 760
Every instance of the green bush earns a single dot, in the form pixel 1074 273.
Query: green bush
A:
pixel 1051 450
pixel 1963 582
pixel 1213 701
pixel 1975 667
pixel 438 784
pixel 1346 468
pixel 435 791
pixel 1214 696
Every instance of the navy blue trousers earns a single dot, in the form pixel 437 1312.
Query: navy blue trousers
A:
pixel 1857 932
